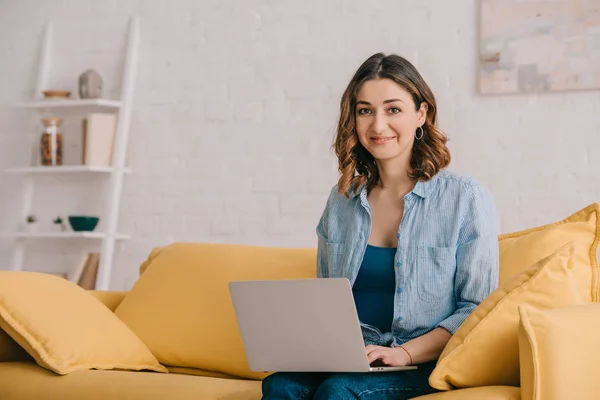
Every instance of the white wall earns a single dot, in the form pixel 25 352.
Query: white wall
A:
pixel 235 107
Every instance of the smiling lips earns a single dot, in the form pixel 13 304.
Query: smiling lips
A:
pixel 381 139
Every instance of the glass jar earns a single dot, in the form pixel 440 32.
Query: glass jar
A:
pixel 51 144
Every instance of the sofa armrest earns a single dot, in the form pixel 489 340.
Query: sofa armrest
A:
pixel 559 349
pixel 110 299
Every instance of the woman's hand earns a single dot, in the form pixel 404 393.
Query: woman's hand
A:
pixel 392 356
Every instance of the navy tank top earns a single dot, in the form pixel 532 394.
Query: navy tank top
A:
pixel 374 287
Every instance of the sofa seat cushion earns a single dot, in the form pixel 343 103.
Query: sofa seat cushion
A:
pixel 181 306
pixel 199 372
pixel 26 381
pixel 478 393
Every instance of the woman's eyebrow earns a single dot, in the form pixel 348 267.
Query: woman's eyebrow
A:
pixel 385 102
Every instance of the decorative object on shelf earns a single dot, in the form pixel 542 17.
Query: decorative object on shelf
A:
pixel 56 94
pixel 83 222
pixel 58 221
pixel 75 273
pixel 86 272
pixel 64 275
pixel 31 223
pixel 90 85
pixel 98 132
pixel 51 143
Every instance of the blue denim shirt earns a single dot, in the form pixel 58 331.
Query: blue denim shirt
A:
pixel 446 262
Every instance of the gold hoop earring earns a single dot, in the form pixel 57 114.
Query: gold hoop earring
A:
pixel 417 133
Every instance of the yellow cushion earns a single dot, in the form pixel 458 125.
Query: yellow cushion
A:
pixel 559 352
pixel 27 381
pixel 181 306
pixel 199 372
pixel 478 393
pixel 484 350
pixel 111 299
pixel 519 250
pixel 64 328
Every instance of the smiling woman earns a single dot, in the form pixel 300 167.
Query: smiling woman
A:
pixel 388 98
pixel 418 243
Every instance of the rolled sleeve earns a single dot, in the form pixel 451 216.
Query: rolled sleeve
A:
pixel 477 258
pixel 322 235
pixel 322 259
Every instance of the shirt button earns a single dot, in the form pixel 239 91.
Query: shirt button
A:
pixel 400 318
pixel 400 290
pixel 399 263
pixel 398 236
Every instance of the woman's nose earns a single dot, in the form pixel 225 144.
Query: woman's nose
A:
pixel 379 124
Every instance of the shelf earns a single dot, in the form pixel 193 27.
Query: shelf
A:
pixel 62 169
pixel 73 103
pixel 64 235
pixel 75 108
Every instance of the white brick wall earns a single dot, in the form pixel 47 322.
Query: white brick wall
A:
pixel 236 104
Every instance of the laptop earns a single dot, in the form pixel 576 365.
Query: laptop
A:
pixel 301 325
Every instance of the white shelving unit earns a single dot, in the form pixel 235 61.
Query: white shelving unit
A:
pixel 97 104
pixel 63 169
pixel 66 235
pixel 114 173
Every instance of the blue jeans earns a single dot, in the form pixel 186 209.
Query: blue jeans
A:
pixel 399 385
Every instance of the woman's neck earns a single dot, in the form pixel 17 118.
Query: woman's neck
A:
pixel 393 176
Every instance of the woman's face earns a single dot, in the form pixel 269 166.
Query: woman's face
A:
pixel 386 119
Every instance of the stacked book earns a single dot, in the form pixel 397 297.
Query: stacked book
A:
pixel 97 140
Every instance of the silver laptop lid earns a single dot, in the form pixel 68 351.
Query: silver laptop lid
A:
pixel 299 325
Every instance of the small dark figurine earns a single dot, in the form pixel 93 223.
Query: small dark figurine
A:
pixel 59 221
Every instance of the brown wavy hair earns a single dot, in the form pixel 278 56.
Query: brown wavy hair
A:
pixel 355 164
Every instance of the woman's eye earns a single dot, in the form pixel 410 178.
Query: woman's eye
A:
pixel 363 111
pixel 394 110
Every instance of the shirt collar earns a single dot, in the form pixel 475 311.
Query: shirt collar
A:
pixel 422 189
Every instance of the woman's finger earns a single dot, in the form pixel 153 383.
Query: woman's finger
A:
pixel 386 359
pixel 372 347
pixel 374 355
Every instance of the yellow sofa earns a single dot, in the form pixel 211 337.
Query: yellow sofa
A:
pixel 180 309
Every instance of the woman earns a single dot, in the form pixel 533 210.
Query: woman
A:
pixel 417 242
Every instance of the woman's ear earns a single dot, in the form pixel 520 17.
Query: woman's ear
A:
pixel 423 113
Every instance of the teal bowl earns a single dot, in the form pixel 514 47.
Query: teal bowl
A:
pixel 83 223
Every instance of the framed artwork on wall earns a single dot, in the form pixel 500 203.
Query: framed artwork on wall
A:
pixel 534 46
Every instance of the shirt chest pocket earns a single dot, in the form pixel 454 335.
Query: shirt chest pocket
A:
pixel 436 267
